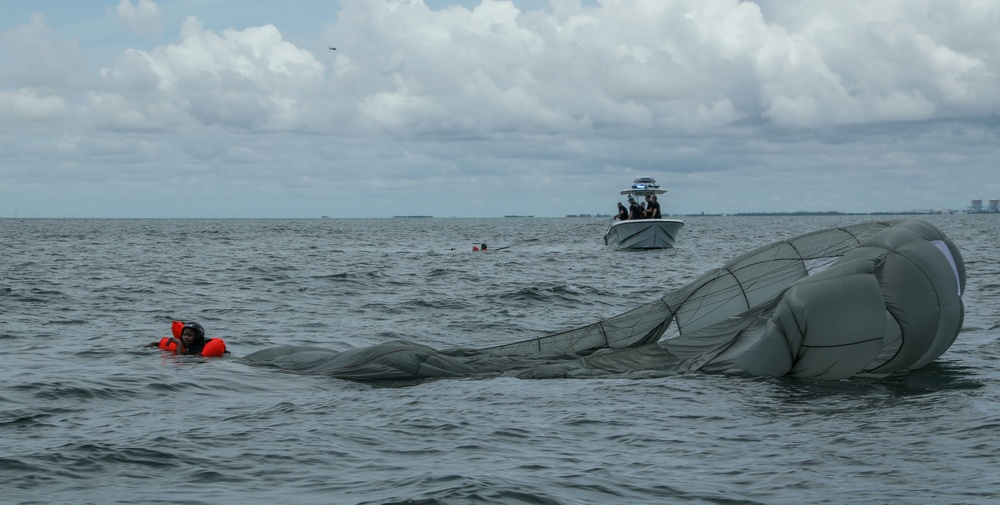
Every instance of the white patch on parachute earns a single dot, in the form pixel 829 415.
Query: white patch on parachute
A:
pixel 951 261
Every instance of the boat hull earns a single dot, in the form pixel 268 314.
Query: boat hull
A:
pixel 643 233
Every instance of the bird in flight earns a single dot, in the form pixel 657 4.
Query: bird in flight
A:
pixel 333 48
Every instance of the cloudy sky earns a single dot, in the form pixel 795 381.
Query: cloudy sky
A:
pixel 482 108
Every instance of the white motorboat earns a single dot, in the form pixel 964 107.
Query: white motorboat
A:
pixel 643 233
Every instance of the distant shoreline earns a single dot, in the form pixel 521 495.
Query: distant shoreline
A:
pixel 835 213
pixel 570 216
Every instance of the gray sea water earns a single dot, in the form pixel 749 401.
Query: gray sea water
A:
pixel 87 415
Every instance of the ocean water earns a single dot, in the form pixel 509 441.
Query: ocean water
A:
pixel 88 415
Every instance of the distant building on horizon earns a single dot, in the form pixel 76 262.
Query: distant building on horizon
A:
pixel 977 207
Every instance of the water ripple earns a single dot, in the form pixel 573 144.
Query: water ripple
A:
pixel 88 415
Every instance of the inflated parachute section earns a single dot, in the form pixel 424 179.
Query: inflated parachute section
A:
pixel 872 298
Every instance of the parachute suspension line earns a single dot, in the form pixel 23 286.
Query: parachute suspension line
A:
pixel 756 282
pixel 873 228
pixel 706 288
pixel 799 252
pixel 670 331
pixel 774 254
pixel 829 243
pixel 855 237
pixel 698 300
pixel 743 290
pixel 654 307
pixel 737 291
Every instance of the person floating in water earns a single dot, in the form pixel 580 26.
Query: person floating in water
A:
pixel 189 339
pixel 482 247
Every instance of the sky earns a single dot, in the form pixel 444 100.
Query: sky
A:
pixel 469 108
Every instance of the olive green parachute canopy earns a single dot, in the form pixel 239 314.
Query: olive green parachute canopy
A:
pixel 872 299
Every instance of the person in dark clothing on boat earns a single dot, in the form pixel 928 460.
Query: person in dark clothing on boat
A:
pixel 653 209
pixel 634 210
pixel 622 213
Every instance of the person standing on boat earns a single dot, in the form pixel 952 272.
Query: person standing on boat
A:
pixel 653 209
pixel 634 210
pixel 622 213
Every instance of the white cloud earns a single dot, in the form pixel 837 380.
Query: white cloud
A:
pixel 648 64
pixel 726 97
pixel 685 66
pixel 247 79
pixel 29 105
pixel 32 55
pixel 143 17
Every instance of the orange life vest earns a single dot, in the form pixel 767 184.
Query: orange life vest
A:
pixel 213 348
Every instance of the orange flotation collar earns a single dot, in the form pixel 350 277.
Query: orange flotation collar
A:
pixel 176 328
pixel 167 345
pixel 213 348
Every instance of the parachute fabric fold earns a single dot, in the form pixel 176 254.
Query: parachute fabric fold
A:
pixel 872 298
pixel 631 329
pixel 885 300
pixel 397 360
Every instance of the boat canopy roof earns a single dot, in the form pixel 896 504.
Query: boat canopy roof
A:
pixel 643 192
pixel 643 186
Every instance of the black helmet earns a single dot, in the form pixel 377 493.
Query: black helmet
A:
pixel 199 331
